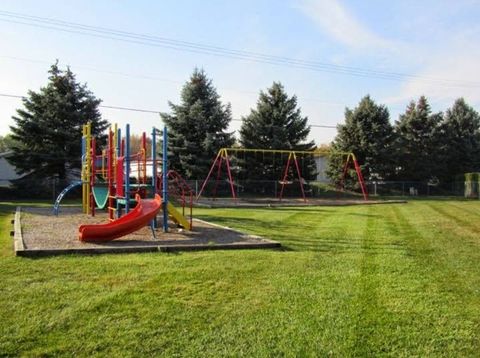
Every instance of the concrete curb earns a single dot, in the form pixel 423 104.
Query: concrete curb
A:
pixel 18 244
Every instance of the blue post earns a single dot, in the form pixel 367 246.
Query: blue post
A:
pixel 119 142
pixel 154 168
pixel 83 147
pixel 83 151
pixel 127 168
pixel 164 180
pixel 118 150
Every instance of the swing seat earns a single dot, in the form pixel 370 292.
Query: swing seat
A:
pixel 285 182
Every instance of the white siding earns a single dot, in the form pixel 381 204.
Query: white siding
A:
pixel 321 163
pixel 7 171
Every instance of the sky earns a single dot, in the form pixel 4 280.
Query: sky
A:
pixel 329 53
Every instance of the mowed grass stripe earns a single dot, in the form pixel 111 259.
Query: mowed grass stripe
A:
pixel 449 305
pixel 318 323
pixel 379 316
pixel 312 305
pixel 462 221
pixel 357 281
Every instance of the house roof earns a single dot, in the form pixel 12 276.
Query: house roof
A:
pixel 4 154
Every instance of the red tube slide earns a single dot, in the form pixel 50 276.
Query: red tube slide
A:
pixel 144 212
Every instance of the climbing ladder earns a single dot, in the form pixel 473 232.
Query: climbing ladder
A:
pixel 64 192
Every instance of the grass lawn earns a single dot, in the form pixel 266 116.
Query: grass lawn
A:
pixel 399 280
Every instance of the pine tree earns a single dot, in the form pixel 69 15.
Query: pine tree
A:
pixel 276 123
pixel 460 141
pixel 197 127
pixel 417 142
pixel 6 143
pixel 49 128
pixel 367 133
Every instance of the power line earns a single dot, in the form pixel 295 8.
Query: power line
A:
pixel 142 110
pixel 131 109
pixel 156 41
pixel 155 78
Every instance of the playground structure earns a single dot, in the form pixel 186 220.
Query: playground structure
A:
pixel 116 180
pixel 224 156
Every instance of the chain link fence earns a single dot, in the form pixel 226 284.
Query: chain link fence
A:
pixel 321 189
pixel 414 188
pixel 272 189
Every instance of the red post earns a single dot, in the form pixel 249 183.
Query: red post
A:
pixel 230 176
pixel 299 177
pixel 144 147
pixel 285 176
pixel 191 208
pixel 360 179
pixel 209 173
pixel 219 171
pixel 110 175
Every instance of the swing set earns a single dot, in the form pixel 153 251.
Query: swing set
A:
pixel 224 157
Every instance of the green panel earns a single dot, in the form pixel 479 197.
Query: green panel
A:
pixel 100 194
pixel 122 201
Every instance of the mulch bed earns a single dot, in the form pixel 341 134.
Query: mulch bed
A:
pixel 42 230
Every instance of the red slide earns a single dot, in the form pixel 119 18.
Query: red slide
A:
pixel 136 219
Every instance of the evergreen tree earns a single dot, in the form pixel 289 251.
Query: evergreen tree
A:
pixel 276 123
pixel 417 143
pixel 136 144
pixel 460 141
pixel 6 143
pixel 367 133
pixel 49 128
pixel 197 127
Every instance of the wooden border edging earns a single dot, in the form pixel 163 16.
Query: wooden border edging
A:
pixel 18 244
pixel 20 249
pixel 143 249
pixel 87 251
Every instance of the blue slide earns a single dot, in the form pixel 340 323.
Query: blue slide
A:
pixel 64 192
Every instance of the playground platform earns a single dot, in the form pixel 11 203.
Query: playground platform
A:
pixel 37 232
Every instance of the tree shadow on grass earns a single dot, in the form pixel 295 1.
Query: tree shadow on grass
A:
pixel 292 237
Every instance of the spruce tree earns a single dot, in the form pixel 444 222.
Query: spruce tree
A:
pixel 460 141
pixel 48 129
pixel 276 123
pixel 197 127
pixel 417 143
pixel 6 143
pixel 367 133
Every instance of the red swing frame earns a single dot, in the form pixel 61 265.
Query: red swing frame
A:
pixel 223 156
pixel 352 159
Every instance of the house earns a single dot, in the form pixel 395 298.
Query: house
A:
pixel 321 161
pixel 7 171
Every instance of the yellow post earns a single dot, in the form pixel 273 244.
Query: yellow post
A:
pixel 87 168
pixel 104 171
